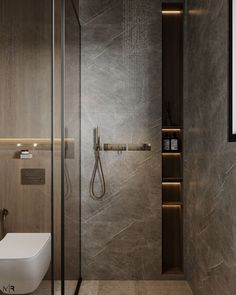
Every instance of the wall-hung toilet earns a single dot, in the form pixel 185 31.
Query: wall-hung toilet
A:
pixel 24 261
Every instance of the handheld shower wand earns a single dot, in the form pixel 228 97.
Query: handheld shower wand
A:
pixel 97 169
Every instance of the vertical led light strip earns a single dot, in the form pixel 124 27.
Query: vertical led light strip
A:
pixel 233 67
pixel 62 146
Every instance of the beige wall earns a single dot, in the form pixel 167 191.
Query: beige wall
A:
pixel 25 112
pixel 25 99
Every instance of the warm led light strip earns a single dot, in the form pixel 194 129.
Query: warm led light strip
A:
pixel 171 183
pixel 172 11
pixel 171 154
pixel 32 140
pixel 171 130
pixel 171 206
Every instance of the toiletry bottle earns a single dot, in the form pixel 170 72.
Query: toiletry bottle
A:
pixel 174 143
pixel 166 143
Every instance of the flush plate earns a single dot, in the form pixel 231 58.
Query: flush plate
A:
pixel 32 176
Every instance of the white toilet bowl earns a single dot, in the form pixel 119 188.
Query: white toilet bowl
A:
pixel 24 261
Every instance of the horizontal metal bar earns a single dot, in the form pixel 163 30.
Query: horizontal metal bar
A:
pixel 127 147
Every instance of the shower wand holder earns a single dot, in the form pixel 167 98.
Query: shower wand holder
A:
pixel 98 147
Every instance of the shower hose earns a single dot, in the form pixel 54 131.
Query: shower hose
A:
pixel 97 169
pixel 98 164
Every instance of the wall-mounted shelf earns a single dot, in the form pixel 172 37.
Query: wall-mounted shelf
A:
pixel 32 143
pixel 119 147
pixel 171 204
pixel 172 129
pixel 172 132
pixel 36 144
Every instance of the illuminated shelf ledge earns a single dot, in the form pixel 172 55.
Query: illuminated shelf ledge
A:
pixel 171 153
pixel 172 183
pixel 172 204
pixel 34 144
pixel 171 12
pixel 172 129
pixel 30 140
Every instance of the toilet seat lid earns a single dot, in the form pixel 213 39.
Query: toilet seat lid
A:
pixel 23 245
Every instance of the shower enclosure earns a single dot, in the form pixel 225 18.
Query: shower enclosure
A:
pixel 40 131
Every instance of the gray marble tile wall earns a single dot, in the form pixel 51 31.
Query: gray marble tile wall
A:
pixel 210 161
pixel 121 93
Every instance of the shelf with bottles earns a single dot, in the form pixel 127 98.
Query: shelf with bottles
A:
pixel 172 205
pixel 171 141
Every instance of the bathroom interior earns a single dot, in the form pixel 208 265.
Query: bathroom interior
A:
pixel 117 147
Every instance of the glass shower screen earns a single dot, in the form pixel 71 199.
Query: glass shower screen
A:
pixel 26 132
pixel 40 138
pixel 71 133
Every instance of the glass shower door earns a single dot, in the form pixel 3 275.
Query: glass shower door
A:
pixel 70 132
pixel 40 135
pixel 26 133
pixel 72 127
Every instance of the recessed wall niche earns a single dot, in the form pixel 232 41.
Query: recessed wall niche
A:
pixel 172 138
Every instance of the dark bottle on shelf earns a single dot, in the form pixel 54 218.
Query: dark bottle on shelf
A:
pixel 166 143
pixel 174 143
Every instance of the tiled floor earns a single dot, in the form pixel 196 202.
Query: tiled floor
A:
pixel 135 288
pixel 119 288
pixel 45 288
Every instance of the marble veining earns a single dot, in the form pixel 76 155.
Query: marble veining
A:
pixel 209 169
pixel 135 288
pixel 121 93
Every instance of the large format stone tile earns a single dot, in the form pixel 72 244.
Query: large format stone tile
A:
pixel 209 170
pixel 163 288
pixel 121 93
